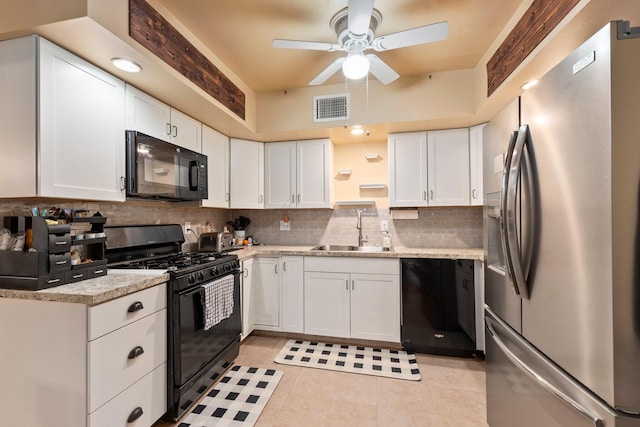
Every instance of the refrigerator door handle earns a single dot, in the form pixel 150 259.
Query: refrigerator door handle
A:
pixel 504 232
pixel 511 214
pixel 526 369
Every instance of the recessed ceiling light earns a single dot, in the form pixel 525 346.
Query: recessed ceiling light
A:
pixel 529 85
pixel 357 130
pixel 126 65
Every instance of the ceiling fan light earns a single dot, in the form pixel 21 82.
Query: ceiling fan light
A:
pixel 356 66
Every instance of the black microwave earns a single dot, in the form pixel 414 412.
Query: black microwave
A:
pixel 157 169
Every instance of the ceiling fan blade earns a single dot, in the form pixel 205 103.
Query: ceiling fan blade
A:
pixel 299 44
pixel 420 35
pixel 327 72
pixel 381 70
pixel 360 16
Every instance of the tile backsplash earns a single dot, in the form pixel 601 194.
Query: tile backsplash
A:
pixel 452 227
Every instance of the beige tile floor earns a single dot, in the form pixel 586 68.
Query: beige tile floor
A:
pixel 450 394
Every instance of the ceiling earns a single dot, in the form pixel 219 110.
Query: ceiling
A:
pixel 240 33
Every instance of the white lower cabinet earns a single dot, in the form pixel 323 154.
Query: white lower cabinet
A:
pixel 352 298
pixel 70 365
pixel 248 317
pixel 276 293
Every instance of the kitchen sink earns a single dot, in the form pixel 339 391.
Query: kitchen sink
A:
pixel 350 248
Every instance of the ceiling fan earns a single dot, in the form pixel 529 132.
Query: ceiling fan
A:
pixel 355 27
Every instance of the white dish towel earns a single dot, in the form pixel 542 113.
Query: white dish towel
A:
pixel 217 301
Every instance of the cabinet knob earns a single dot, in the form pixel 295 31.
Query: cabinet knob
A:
pixel 136 306
pixel 134 415
pixel 137 351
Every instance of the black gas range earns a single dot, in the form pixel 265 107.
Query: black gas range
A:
pixel 202 285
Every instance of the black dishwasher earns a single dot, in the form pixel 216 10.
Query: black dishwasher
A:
pixel 438 307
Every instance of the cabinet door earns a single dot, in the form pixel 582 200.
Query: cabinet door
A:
pixel 313 174
pixel 246 174
pixel 292 290
pixel 186 131
pixel 266 293
pixel 18 121
pixel 375 307
pixel 326 304
pixel 81 128
pixel 216 147
pixel 475 165
pixel 448 166
pixel 148 115
pixel 247 297
pixel 280 175
pixel 407 169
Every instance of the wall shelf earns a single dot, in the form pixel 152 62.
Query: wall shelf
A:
pixel 372 186
pixel 344 172
pixel 355 203
pixel 371 156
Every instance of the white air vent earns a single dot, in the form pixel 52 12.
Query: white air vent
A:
pixel 331 107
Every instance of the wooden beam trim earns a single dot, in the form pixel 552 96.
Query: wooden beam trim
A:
pixel 536 24
pixel 155 33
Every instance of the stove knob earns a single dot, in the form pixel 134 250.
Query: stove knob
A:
pixel 200 276
pixel 214 271
pixel 227 267
pixel 191 279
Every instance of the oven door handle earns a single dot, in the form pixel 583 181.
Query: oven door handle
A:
pixel 198 288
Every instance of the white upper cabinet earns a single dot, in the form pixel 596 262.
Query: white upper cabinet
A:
pixel 147 115
pixel 63 124
pixel 407 169
pixel 186 131
pixel 154 118
pixel 475 164
pixel 448 167
pixel 216 147
pixel 297 174
pixel 246 174
pixel 429 168
pixel 280 174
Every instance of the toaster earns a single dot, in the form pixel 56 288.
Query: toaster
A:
pixel 215 242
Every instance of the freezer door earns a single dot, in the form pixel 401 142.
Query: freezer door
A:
pixel 526 389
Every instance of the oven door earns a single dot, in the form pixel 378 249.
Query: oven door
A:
pixel 197 347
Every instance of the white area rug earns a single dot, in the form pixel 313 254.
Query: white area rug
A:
pixel 349 358
pixel 236 400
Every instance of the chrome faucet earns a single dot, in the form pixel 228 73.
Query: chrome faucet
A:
pixel 359 227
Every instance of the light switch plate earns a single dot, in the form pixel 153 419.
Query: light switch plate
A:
pixel 285 226
pixel 384 225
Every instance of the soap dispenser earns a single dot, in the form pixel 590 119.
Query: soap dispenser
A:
pixel 386 240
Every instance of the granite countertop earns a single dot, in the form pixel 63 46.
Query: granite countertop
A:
pixel 118 283
pixel 396 252
pixel 115 284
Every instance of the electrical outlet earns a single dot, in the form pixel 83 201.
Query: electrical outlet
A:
pixel 285 226
pixel 187 226
pixel 384 225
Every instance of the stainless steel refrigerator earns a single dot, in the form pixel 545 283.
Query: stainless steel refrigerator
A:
pixel 562 243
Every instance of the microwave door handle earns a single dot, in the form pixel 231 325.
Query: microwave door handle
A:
pixel 511 222
pixel 194 168
pixel 504 232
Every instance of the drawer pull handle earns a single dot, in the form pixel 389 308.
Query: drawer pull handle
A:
pixel 63 242
pixel 77 276
pixel 61 262
pixel 99 271
pixel 136 306
pixel 53 281
pixel 135 414
pixel 137 351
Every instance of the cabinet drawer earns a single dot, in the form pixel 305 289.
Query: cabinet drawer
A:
pixel 113 363
pixel 117 313
pixel 60 262
pixel 352 265
pixel 149 394
pixel 59 243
